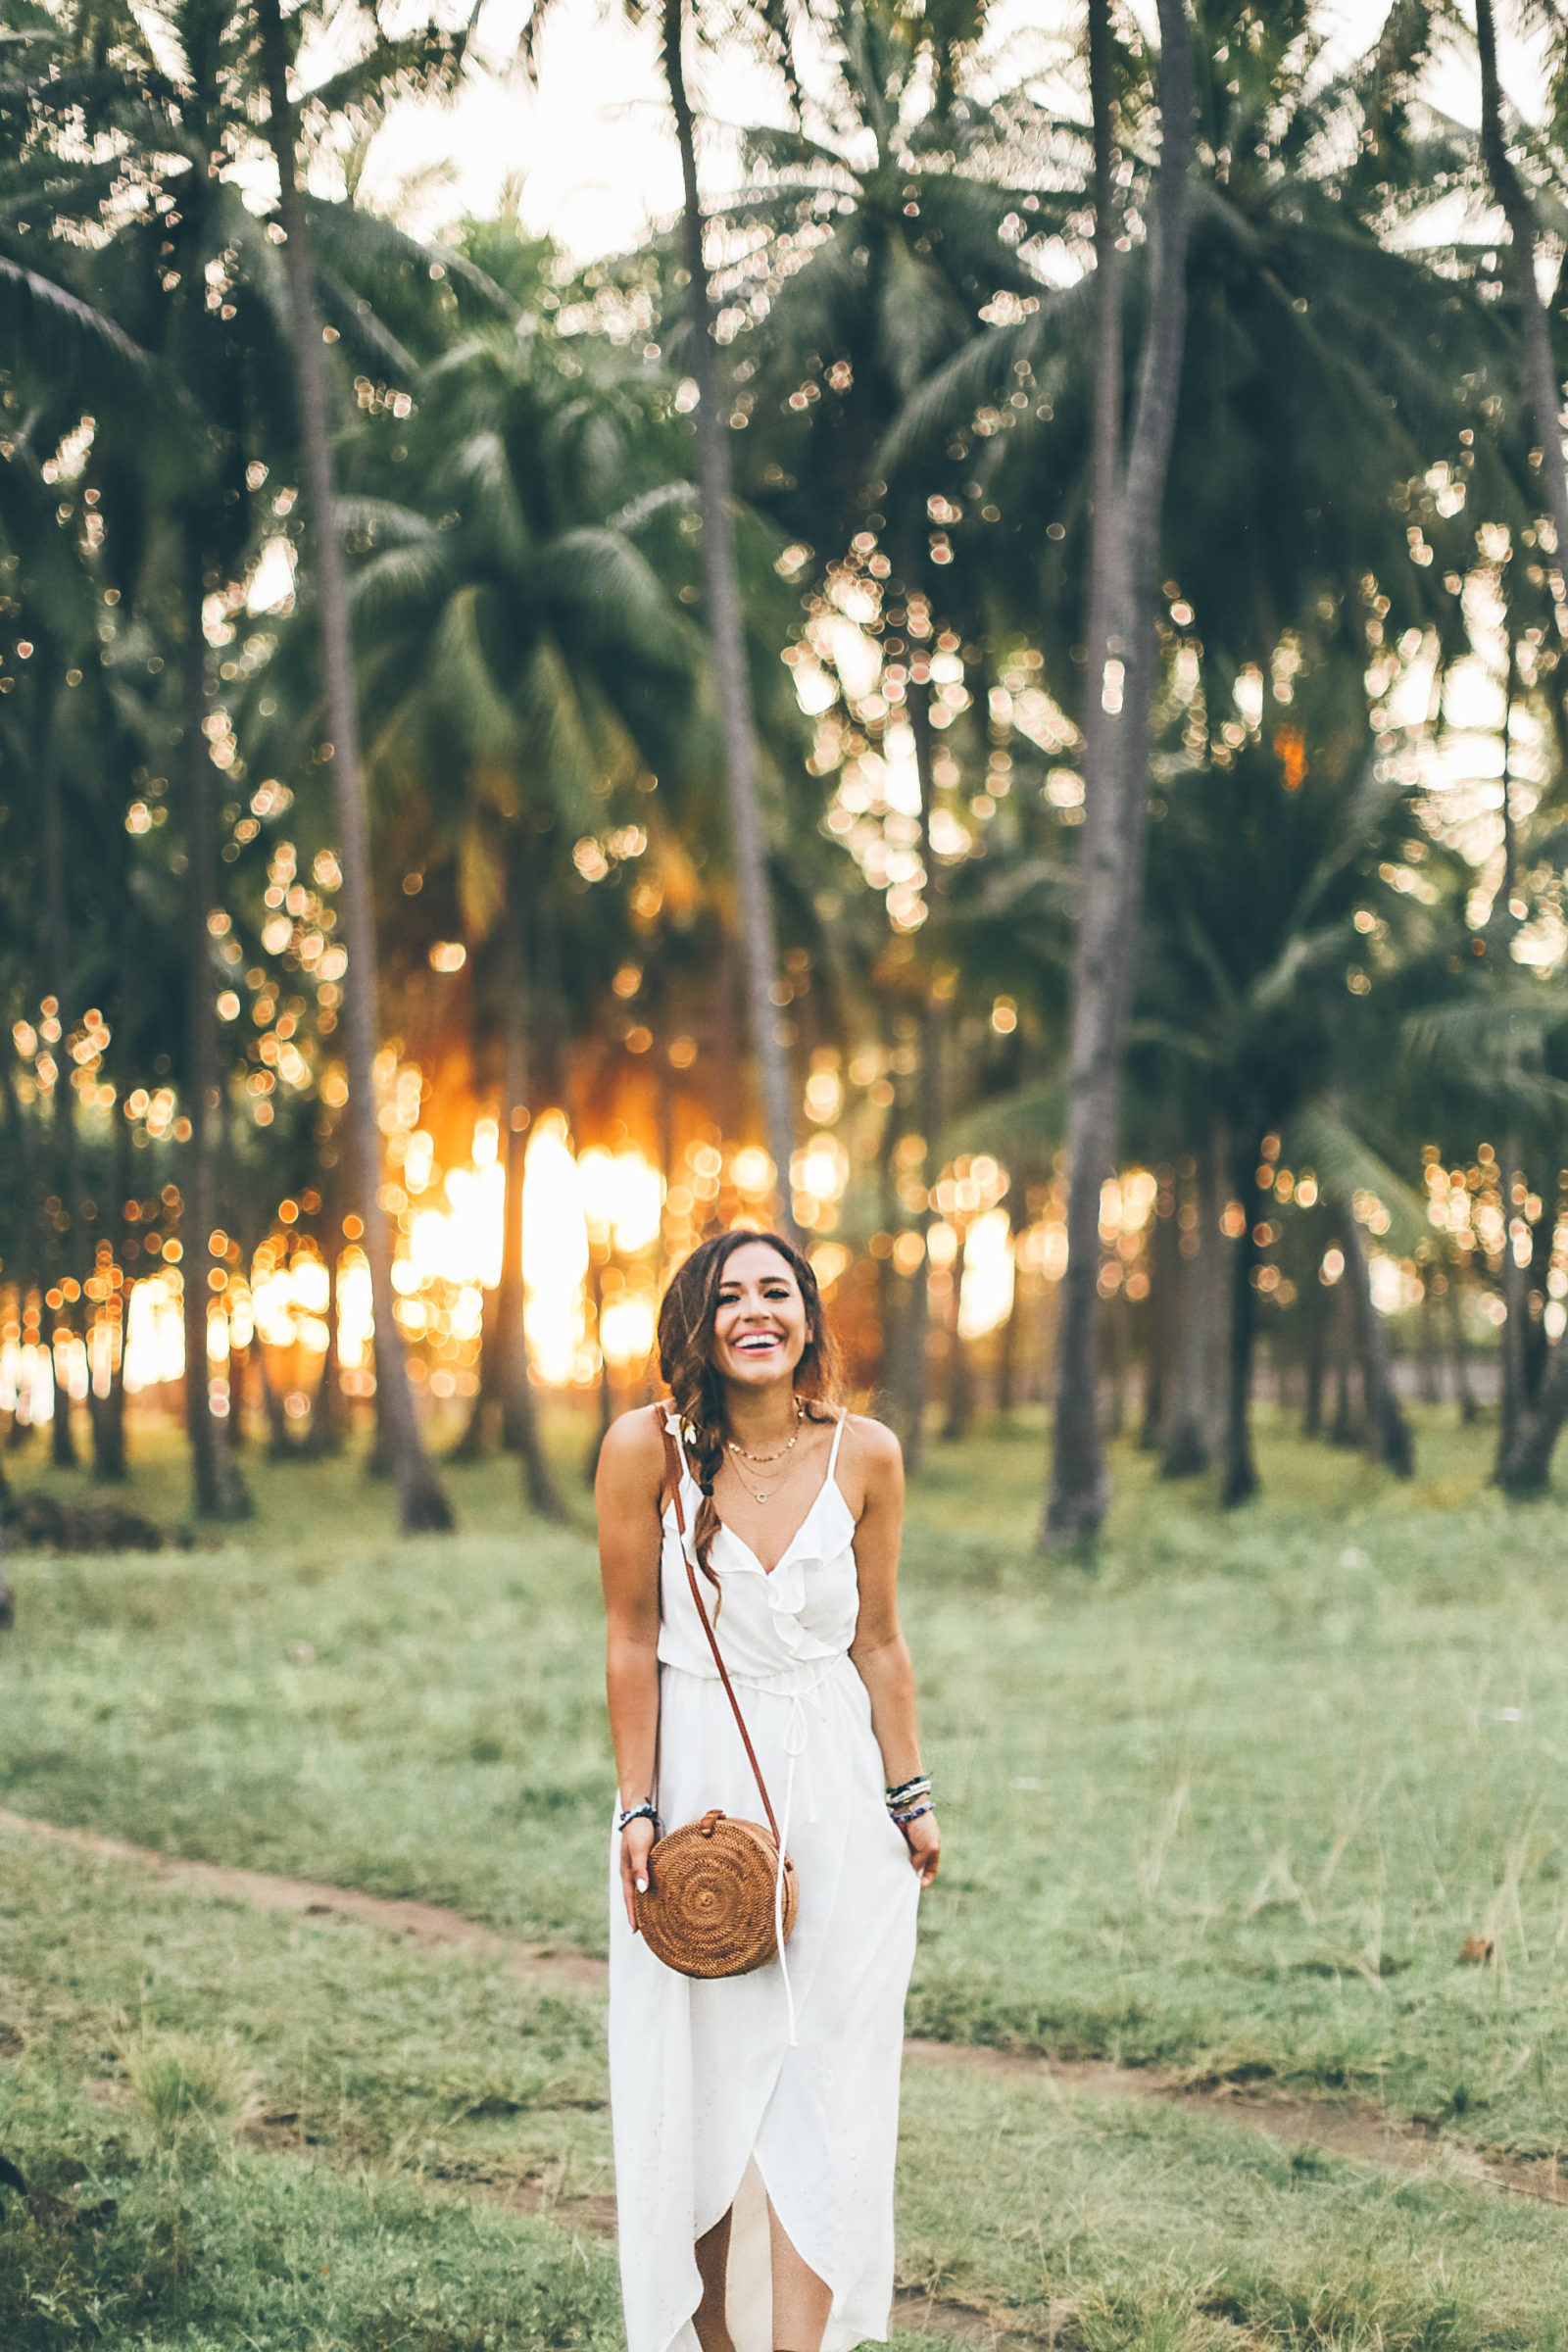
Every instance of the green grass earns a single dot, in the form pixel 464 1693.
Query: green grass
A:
pixel 318 2138
pixel 1230 1802
pixel 1164 2231
pixel 411 1718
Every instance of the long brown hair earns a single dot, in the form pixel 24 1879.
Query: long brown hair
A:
pixel 686 1321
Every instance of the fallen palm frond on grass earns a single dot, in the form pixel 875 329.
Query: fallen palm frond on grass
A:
pixel 44 1522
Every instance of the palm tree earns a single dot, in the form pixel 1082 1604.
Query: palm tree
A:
pixel 522 671
pixel 726 637
pixel 174 479
pixel 219 1490
pixel 886 214
pixel 1323 374
pixel 56 604
pixel 1270 889
pixel 1125 665
pixel 194 115
pixel 1543 378
pixel 422 1498
pixel 1494 1057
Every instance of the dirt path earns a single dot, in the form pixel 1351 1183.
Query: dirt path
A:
pixel 562 1966
pixel 1359 2132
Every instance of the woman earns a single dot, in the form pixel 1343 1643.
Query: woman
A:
pixel 794 1512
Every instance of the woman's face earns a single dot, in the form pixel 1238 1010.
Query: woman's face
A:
pixel 759 1330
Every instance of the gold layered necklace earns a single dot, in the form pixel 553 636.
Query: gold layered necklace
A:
pixel 759 1461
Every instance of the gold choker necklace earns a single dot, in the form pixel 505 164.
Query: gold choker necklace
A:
pixel 759 1461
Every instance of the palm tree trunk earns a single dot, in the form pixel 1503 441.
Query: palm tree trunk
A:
pixel 423 1502
pixel 1317 1313
pixel 1345 1429
pixel 665 1129
pixel 473 1443
pixel 1458 1351
pixel 66 1155
pixel 1542 1240
pixel 1241 1467
pixel 219 1491
pixel 1191 1433
pixel 109 1461
pixel 907 1379
pixel 887 1272
pixel 1008 1337
pixel 62 1434
pixel 325 1435
pixel 281 1446
pixel 1162 1327
pixel 1388 1433
pixel 1123 655
pixel 1430 1354
pixel 1542 389
pixel 1118 1361
pixel 961 1365
pixel 239 1369
pixel 1080 1481
pixel 909 1383
pixel 326 1406
pixel 1514 1396
pixel 520 1432
pixel 26 1223
pixel 603 1393
pixel 1526 1469
pixel 728 646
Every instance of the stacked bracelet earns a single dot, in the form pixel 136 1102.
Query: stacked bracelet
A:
pixel 646 1811
pixel 910 1799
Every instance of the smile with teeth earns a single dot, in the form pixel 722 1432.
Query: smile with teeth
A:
pixel 755 1342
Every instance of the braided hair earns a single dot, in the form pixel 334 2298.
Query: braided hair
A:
pixel 686 1319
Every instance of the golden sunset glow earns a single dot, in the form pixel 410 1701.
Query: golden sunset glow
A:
pixel 604 1205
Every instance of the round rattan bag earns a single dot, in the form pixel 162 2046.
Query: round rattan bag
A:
pixel 709 1906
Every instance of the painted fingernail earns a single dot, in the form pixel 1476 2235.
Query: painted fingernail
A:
pixel 642 1885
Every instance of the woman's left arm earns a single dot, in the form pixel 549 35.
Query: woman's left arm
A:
pixel 879 1650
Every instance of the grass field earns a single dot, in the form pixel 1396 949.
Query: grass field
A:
pixel 1230 1803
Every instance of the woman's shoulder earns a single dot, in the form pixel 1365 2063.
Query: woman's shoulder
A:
pixel 871 1444
pixel 634 1444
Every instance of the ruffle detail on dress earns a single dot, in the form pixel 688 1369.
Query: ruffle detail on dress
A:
pixel 787 1582
pixel 786 1587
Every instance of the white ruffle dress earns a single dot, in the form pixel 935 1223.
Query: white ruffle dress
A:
pixel 794 2068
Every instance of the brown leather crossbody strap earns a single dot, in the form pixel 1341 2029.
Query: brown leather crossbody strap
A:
pixel 672 1460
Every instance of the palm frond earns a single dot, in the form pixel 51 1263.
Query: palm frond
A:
pixel 1022 1128
pixel 1322 1138
pixel 38 313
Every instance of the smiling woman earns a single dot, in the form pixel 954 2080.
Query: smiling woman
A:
pixel 786 2074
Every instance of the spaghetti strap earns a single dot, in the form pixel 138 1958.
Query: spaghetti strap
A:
pixel 833 1457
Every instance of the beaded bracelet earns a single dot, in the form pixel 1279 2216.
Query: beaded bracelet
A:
pixel 646 1811
pixel 904 1819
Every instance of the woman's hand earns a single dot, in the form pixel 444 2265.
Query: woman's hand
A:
pixel 636 1844
pixel 924 1841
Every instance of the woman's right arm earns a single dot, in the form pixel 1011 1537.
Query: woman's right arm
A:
pixel 627 1492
